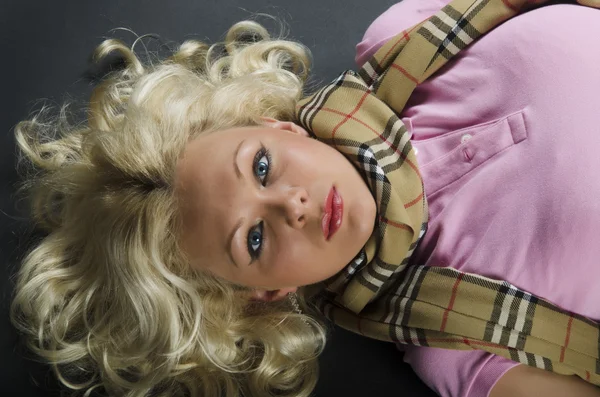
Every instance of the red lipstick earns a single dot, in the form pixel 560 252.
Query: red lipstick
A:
pixel 332 214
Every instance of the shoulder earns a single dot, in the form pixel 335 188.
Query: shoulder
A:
pixel 453 373
pixel 394 20
pixel 525 381
pixel 477 373
pixel 540 32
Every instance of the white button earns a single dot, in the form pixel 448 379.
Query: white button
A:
pixel 465 138
pixel 416 150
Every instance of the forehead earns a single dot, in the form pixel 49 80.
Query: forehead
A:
pixel 212 153
pixel 205 185
pixel 220 144
pixel 203 171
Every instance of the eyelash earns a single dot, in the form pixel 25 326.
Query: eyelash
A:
pixel 262 152
pixel 256 254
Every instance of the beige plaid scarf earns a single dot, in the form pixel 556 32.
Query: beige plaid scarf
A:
pixel 377 295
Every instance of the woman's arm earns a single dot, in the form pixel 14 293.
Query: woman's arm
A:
pixel 525 381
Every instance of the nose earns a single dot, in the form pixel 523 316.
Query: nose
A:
pixel 291 203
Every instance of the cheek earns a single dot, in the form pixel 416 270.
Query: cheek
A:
pixel 298 257
pixel 298 254
pixel 293 251
pixel 311 155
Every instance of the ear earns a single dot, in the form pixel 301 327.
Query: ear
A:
pixel 284 125
pixel 269 296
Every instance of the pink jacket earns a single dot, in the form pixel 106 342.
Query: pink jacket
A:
pixel 508 141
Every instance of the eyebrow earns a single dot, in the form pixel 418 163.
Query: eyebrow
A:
pixel 236 168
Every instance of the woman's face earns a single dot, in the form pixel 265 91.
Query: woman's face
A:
pixel 260 204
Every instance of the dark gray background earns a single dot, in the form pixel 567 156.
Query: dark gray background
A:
pixel 45 50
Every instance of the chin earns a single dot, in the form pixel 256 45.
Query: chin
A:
pixel 366 224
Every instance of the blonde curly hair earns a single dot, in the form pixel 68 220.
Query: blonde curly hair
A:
pixel 107 296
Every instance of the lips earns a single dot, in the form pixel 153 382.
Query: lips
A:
pixel 333 213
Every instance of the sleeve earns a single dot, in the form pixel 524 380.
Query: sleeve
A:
pixel 457 373
pixel 398 17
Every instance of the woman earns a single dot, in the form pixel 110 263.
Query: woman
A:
pixel 191 203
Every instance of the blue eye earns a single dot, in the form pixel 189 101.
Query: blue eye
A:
pixel 261 165
pixel 255 241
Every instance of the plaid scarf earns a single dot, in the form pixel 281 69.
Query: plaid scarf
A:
pixel 377 294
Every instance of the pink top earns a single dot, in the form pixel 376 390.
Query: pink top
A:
pixel 507 137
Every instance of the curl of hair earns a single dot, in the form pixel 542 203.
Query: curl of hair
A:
pixel 107 296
